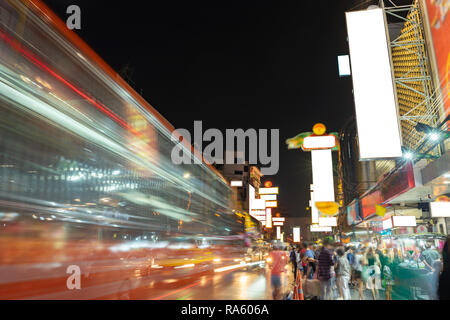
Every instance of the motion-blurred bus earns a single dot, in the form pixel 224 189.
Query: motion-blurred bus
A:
pixel 86 177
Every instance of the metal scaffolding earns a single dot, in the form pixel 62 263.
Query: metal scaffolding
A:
pixel 417 98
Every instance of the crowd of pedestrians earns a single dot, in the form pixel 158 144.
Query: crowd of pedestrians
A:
pixel 337 270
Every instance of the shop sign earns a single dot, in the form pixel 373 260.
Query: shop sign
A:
pixel 398 183
pixel 369 202
pixel 353 213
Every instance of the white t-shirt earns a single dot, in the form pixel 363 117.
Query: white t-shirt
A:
pixel 357 264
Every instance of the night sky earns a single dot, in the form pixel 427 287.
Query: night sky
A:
pixel 232 64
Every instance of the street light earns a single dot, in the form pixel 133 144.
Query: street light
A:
pixel 407 153
pixel 434 134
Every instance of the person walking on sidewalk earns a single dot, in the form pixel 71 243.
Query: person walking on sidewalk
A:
pixel 325 263
pixel 278 259
pixel 357 272
pixel 373 264
pixel 293 258
pixel 343 272
pixel 444 278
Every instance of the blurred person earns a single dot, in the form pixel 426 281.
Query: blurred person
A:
pixel 343 272
pixel 299 260
pixel 351 259
pixel 387 275
pixel 382 257
pixel 333 274
pixel 302 258
pixel 357 273
pixel 428 256
pixel 293 258
pixel 444 278
pixel 278 261
pixel 325 261
pixel 374 281
pixel 431 258
pixel 311 262
pixel 316 250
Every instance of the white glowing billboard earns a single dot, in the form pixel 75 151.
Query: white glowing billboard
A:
pixel 322 170
pixel 271 204
pixel 275 223
pixel 319 142
pixel 278 232
pixel 316 228
pixel 387 224
pixel 373 87
pixel 344 66
pixel 236 183
pixel 296 233
pixel 314 210
pixel 440 209
pixel 279 219
pixel 268 218
pixel 327 221
pixel 268 197
pixel 258 204
pixel 273 190
pixel 404 221
pixel 258 212
pixel 251 195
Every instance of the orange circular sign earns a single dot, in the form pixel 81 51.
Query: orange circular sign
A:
pixel 319 129
pixel 267 184
pixel 442 199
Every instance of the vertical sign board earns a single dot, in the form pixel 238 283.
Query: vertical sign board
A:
pixel 296 233
pixel 374 92
pixel 344 66
pixel 268 217
pixel 278 232
pixel 322 170
pixel 251 196
pixel 368 203
pixel 314 210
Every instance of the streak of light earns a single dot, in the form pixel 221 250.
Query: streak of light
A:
pixel 235 266
pixel 190 265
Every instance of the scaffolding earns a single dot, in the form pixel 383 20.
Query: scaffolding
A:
pixel 418 101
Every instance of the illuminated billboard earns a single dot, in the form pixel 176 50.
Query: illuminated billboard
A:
pixel 268 218
pixel 258 204
pixel 271 204
pixel 314 210
pixel 369 202
pixel 439 27
pixel 327 221
pixel 387 224
pixel 373 87
pixel 317 228
pixel 440 209
pixel 251 195
pixel 344 66
pixel 319 142
pixel 353 213
pixel 322 170
pixel 236 183
pixel 268 196
pixel 273 190
pixel 296 233
pixel 404 221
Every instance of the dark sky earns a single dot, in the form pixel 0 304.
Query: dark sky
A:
pixel 232 64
